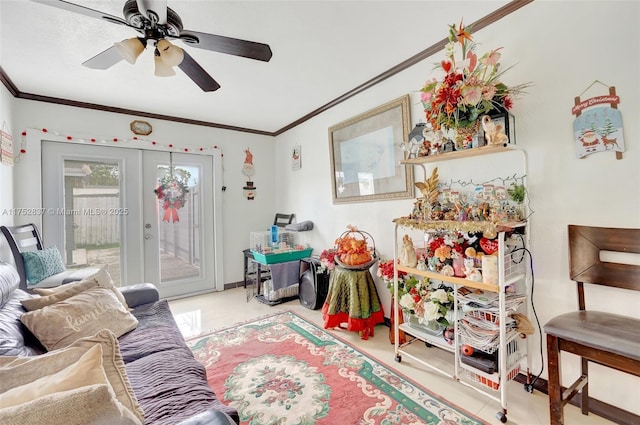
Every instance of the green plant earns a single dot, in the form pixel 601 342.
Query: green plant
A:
pixel 517 192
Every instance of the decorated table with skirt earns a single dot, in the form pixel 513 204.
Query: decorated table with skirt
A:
pixel 352 299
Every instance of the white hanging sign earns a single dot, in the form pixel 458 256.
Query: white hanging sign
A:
pixel 598 129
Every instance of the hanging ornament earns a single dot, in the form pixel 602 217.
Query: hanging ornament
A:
pixel 249 170
pixel 172 191
pixel 598 128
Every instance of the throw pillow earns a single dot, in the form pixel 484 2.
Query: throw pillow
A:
pixel 101 278
pixel 70 408
pixel 86 371
pixel 28 368
pixel 61 324
pixel 42 264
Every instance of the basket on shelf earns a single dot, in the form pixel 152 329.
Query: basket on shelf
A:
pixel 353 251
pixel 490 381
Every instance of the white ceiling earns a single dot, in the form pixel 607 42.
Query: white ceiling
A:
pixel 321 50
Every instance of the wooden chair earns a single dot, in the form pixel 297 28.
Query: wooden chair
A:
pixel 27 238
pixel 609 339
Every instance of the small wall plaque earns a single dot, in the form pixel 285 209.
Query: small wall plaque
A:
pixel 142 128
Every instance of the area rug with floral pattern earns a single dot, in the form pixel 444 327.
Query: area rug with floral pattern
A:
pixel 282 369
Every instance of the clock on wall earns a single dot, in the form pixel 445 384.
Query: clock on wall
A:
pixel 141 127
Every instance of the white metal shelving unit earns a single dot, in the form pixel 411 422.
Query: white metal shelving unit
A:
pixel 513 282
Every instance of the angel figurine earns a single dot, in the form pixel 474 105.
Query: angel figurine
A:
pixel 408 256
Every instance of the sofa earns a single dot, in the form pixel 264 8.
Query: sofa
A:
pixel 161 381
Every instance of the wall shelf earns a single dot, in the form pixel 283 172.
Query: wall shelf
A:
pixel 466 153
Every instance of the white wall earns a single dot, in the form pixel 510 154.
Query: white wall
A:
pixel 562 47
pixel 240 216
pixel 6 172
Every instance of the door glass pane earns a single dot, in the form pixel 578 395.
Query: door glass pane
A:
pixel 92 215
pixel 179 222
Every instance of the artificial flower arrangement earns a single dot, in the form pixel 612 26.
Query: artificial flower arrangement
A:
pixel 385 271
pixel 443 249
pixel 428 303
pixel 327 260
pixel 471 87
pixel 419 297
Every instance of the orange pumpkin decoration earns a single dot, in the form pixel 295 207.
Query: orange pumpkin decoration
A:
pixel 355 259
pixel 352 249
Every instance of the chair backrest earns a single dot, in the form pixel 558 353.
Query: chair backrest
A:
pixel 281 220
pixel 586 265
pixel 22 238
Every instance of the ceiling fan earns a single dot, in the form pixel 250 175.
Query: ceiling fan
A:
pixel 156 24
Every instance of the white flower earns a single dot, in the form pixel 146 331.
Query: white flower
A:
pixel 407 302
pixel 431 311
pixel 440 295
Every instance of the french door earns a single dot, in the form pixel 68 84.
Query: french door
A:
pixel 102 207
pixel 178 224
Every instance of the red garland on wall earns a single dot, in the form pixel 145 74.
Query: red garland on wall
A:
pixel 108 141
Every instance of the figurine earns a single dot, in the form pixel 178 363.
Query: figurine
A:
pixel 408 256
pixel 416 214
pixel 425 149
pixel 422 265
pixel 447 270
pixel 463 211
pixel 470 271
pixel 493 133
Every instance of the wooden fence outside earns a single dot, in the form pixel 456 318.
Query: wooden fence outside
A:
pixel 96 223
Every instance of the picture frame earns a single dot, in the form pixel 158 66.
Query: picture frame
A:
pixel 366 155
pixel 142 128
pixel 508 122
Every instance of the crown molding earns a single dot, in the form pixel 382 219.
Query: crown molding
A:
pixel 431 50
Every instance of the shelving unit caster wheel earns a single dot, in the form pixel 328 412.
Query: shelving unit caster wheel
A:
pixel 398 358
pixel 502 417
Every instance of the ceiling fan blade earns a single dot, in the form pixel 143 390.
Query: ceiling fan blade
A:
pixel 231 46
pixel 156 7
pixel 194 71
pixel 76 8
pixel 104 60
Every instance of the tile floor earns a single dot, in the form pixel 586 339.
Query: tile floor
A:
pixel 202 313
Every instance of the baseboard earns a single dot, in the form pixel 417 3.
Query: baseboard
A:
pixel 597 407
pixel 233 285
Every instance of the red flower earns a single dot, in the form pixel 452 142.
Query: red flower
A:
pixel 385 270
pixel 508 102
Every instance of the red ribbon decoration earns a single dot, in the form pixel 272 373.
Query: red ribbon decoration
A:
pixel 171 211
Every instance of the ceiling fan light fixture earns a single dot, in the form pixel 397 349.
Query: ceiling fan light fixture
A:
pixel 162 69
pixel 170 54
pixel 130 48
